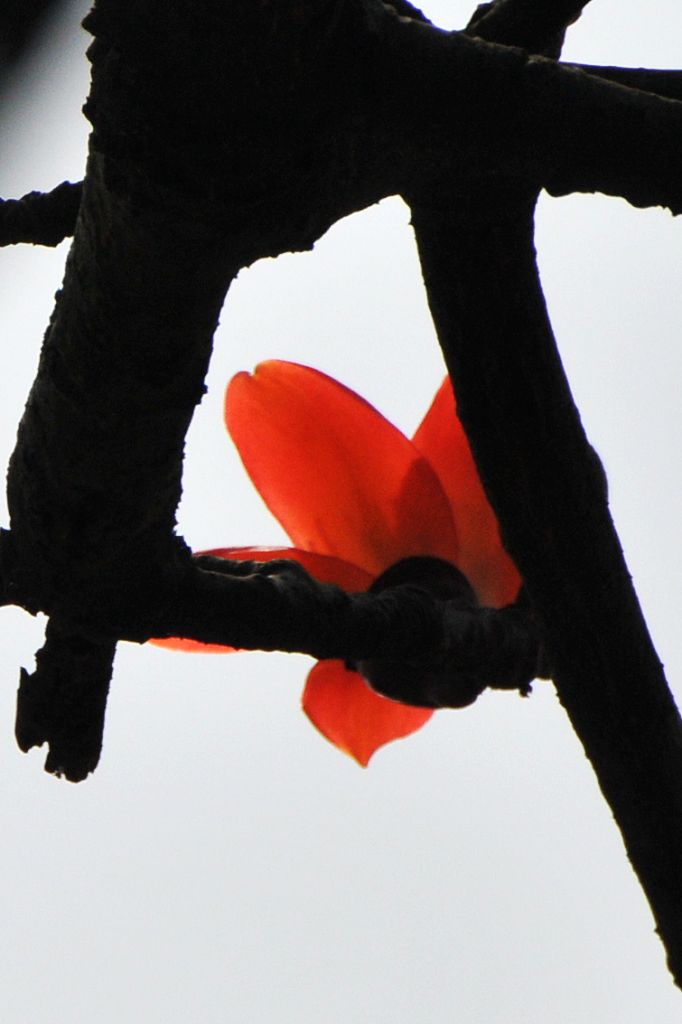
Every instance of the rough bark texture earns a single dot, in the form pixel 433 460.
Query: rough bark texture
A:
pixel 228 131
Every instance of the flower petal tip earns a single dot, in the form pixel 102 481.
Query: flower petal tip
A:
pixel 349 714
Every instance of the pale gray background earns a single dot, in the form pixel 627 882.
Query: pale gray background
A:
pixel 225 863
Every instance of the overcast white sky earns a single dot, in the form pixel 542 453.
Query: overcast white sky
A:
pixel 225 863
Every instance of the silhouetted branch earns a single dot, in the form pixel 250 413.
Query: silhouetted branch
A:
pixel 279 606
pixel 515 116
pixel 407 10
pixel 42 218
pixel 535 26
pixel 667 84
pixel 225 133
pixel 547 488
pixel 410 644
pixel 95 478
pixel 549 491
pixel 63 702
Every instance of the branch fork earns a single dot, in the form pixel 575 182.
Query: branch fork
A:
pixel 296 115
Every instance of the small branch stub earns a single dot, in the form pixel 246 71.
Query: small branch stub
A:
pixel 41 218
pixel 63 702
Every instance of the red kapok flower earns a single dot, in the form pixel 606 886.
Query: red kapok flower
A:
pixel 356 496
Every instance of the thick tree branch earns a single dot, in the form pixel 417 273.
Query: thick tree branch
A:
pixel 295 115
pixel 410 642
pixel 485 296
pixel 42 218
pixel 547 487
pixel 536 27
pixel 448 650
pixel 471 109
pixel 324 113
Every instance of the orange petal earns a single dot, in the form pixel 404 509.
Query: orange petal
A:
pixel 338 476
pixel 322 567
pixel 482 558
pixel 352 716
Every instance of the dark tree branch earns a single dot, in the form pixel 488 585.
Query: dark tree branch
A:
pixel 474 110
pixel 42 218
pixel 547 487
pixel 168 216
pixel 295 115
pixel 667 84
pixel 63 702
pixel 535 26
pixel 446 647
pixel 407 640
pixel 514 400
pixel 407 10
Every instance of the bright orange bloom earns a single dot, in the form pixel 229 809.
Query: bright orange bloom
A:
pixel 356 496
